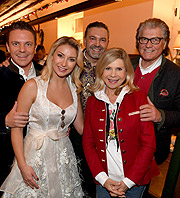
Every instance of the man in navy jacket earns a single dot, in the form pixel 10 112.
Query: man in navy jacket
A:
pixel 21 44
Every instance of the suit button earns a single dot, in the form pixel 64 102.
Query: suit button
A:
pixel 125 161
pixel 119 119
pixel 120 130
pixel 124 151
pixel 122 141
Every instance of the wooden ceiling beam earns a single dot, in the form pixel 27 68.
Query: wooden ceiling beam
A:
pixel 76 8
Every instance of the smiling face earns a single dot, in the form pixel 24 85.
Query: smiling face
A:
pixel 21 47
pixel 64 60
pixel 150 52
pixel 96 43
pixel 114 75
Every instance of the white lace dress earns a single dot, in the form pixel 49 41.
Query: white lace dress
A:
pixel 48 150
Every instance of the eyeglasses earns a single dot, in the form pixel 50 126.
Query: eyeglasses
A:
pixel 154 40
pixel 62 118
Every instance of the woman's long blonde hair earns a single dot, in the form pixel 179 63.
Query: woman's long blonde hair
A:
pixel 75 74
pixel 108 57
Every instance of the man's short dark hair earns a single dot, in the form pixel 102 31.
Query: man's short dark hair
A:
pixel 21 25
pixel 98 25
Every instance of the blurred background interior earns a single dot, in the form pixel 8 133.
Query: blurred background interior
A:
pixel 55 18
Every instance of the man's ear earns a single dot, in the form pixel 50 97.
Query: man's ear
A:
pixel 165 43
pixel 84 42
pixel 7 46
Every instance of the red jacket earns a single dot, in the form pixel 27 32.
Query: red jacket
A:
pixel 136 138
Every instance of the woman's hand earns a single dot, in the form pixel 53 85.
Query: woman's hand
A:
pixel 114 188
pixel 29 175
pixel 122 188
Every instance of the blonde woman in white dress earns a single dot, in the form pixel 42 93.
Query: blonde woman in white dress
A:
pixel 45 164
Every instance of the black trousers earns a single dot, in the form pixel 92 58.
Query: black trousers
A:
pixel 88 184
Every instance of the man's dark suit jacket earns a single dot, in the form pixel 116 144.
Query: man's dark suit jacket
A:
pixel 2 56
pixel 10 84
pixel 164 92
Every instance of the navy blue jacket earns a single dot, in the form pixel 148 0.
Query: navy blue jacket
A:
pixel 10 84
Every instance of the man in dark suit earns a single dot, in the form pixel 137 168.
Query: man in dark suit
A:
pixel 2 56
pixel 21 44
pixel 160 79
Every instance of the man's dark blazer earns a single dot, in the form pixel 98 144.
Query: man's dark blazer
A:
pixel 10 84
pixel 164 93
pixel 2 56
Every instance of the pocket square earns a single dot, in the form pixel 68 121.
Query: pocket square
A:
pixel 164 92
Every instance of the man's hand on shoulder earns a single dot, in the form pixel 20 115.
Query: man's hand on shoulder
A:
pixel 5 63
pixel 16 119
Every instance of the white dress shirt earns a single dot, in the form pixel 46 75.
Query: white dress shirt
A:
pixel 31 74
pixel 150 68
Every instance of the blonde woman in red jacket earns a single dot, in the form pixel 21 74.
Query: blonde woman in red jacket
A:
pixel 118 146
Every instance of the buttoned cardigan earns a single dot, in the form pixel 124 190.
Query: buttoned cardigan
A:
pixel 136 138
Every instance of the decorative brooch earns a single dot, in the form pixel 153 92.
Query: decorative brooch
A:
pixel 164 92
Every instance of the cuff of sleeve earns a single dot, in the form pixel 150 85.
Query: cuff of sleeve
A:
pixel 101 178
pixel 129 183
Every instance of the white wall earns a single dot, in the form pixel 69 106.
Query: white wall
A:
pixel 122 18
pixel 60 27
pixel 165 11
pixel 122 22
pixel 67 26
pixel 50 33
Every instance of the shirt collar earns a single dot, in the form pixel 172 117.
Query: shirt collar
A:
pixel 150 68
pixel 32 71
pixel 100 95
pixel 85 54
pixel 87 63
